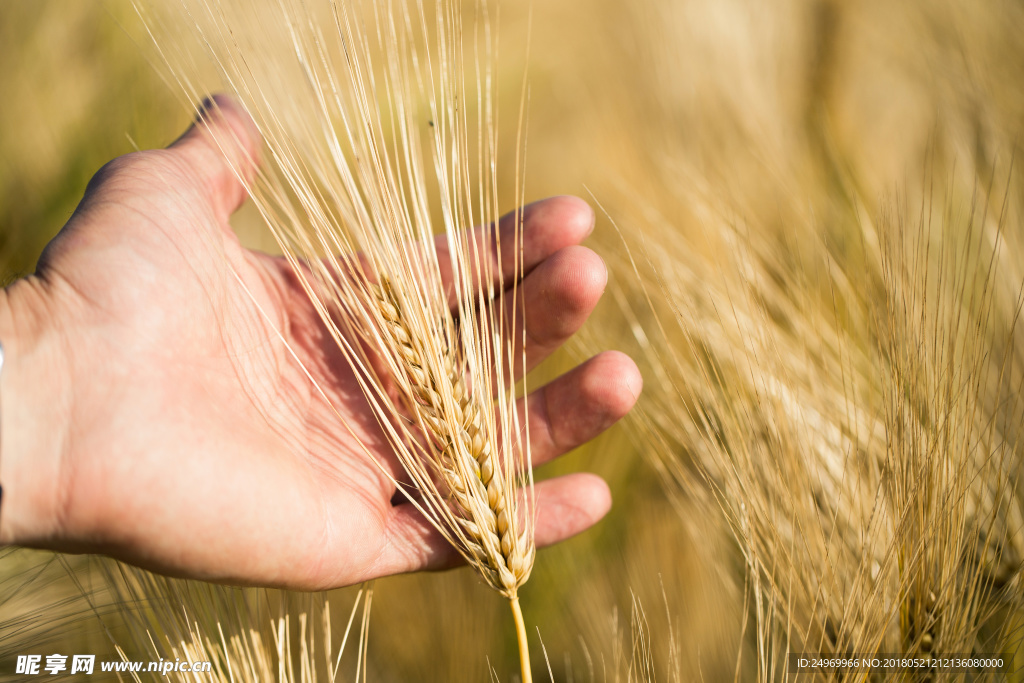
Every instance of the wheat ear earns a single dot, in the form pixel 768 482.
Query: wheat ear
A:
pixel 350 98
pixel 466 462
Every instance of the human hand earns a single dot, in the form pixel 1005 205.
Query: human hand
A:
pixel 152 411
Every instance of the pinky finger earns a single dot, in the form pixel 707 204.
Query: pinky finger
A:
pixel 569 505
pixel 566 506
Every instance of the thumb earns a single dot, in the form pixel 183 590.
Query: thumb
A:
pixel 222 149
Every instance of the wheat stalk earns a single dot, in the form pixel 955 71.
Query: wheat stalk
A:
pixel 465 462
pixel 348 97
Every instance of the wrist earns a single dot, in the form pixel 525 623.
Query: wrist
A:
pixel 34 411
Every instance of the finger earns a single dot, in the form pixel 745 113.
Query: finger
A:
pixel 553 303
pixel 580 404
pixel 566 506
pixel 548 226
pixel 577 407
pixel 563 414
pixel 221 151
pixel 569 505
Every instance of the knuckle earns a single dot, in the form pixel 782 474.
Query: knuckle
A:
pixel 136 171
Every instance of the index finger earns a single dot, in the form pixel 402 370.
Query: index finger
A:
pixel 549 225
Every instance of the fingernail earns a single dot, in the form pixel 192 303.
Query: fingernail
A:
pixel 206 107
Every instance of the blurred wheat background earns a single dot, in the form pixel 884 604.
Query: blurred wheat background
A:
pixel 822 286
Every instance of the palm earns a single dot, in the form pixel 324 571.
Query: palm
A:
pixel 207 450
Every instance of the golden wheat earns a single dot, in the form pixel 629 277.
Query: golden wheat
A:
pixel 246 634
pixel 466 463
pixel 836 368
pixel 348 119
pixel 860 430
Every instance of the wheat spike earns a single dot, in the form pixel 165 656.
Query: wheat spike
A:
pixel 466 461
pixel 355 102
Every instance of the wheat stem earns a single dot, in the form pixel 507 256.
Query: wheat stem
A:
pixel 524 647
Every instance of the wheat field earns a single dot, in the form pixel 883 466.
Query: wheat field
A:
pixel 811 211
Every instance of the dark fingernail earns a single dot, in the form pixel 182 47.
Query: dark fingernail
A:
pixel 206 107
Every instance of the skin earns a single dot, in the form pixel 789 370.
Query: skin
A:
pixel 152 411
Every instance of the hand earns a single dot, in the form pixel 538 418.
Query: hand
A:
pixel 151 412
